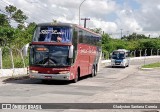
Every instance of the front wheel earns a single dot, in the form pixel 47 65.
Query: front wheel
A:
pixel 76 77
pixel 96 71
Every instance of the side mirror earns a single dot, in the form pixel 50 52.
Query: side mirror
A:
pixel 71 52
pixel 25 50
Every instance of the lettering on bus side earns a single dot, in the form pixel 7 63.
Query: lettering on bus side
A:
pixel 84 51
pixel 60 69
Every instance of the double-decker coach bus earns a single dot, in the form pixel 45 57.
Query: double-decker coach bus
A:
pixel 63 51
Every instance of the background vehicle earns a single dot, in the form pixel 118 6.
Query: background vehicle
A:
pixel 120 57
pixel 75 55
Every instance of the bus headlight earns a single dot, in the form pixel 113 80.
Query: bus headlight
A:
pixel 64 72
pixel 33 71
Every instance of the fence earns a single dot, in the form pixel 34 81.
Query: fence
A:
pixel 12 61
pixel 137 53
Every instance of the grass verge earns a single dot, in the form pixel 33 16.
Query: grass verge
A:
pixel 152 65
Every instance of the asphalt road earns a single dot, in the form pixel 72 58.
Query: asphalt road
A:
pixel 111 85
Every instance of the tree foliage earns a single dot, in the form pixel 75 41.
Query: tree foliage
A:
pixel 132 42
pixel 19 36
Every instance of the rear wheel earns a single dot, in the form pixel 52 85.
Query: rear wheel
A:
pixel 93 72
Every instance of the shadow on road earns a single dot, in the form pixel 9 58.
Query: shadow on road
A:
pixel 120 67
pixel 27 80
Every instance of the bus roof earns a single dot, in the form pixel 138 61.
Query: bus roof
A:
pixel 124 50
pixel 55 24
pixel 67 24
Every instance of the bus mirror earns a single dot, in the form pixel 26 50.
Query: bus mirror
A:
pixel 25 50
pixel 71 52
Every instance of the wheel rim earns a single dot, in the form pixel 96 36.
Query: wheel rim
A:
pixel 76 78
pixel 93 72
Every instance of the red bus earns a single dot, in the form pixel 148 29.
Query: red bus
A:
pixel 63 51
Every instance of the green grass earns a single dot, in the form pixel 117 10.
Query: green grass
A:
pixel 18 63
pixel 153 65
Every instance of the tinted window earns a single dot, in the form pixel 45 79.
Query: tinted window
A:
pixel 52 33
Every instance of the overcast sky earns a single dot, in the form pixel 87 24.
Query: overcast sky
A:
pixel 141 16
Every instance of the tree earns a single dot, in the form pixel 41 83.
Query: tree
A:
pixel 134 36
pixel 3 20
pixel 16 14
pixel 97 30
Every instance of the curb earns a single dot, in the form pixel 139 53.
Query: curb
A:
pixel 146 68
pixel 149 68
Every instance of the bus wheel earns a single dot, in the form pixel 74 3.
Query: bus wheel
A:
pixel 76 77
pixel 93 72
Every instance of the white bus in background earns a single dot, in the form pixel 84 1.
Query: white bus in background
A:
pixel 120 58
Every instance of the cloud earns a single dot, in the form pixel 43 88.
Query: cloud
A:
pixel 105 26
pixel 148 16
pixel 127 21
pixel 110 15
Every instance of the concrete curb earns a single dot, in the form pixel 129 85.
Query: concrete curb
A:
pixel 12 72
pixel 146 68
pixel 149 68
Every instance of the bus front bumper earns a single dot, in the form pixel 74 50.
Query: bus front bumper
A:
pixel 120 64
pixel 50 76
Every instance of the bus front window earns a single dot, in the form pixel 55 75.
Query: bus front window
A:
pixel 118 55
pixel 49 56
pixel 52 33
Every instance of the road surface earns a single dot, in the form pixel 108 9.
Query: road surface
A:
pixel 111 85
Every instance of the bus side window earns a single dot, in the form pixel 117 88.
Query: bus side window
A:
pixel 84 37
pixel 80 36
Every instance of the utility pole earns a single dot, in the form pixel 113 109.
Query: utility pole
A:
pixel 80 10
pixel 85 19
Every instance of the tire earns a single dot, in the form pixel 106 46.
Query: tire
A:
pixel 93 72
pixel 76 78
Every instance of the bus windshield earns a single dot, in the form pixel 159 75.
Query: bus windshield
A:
pixel 52 34
pixel 118 55
pixel 49 56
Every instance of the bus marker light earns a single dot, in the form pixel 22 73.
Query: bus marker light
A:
pixel 41 49
pixel 63 72
pixel 33 71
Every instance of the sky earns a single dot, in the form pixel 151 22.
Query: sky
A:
pixel 113 16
